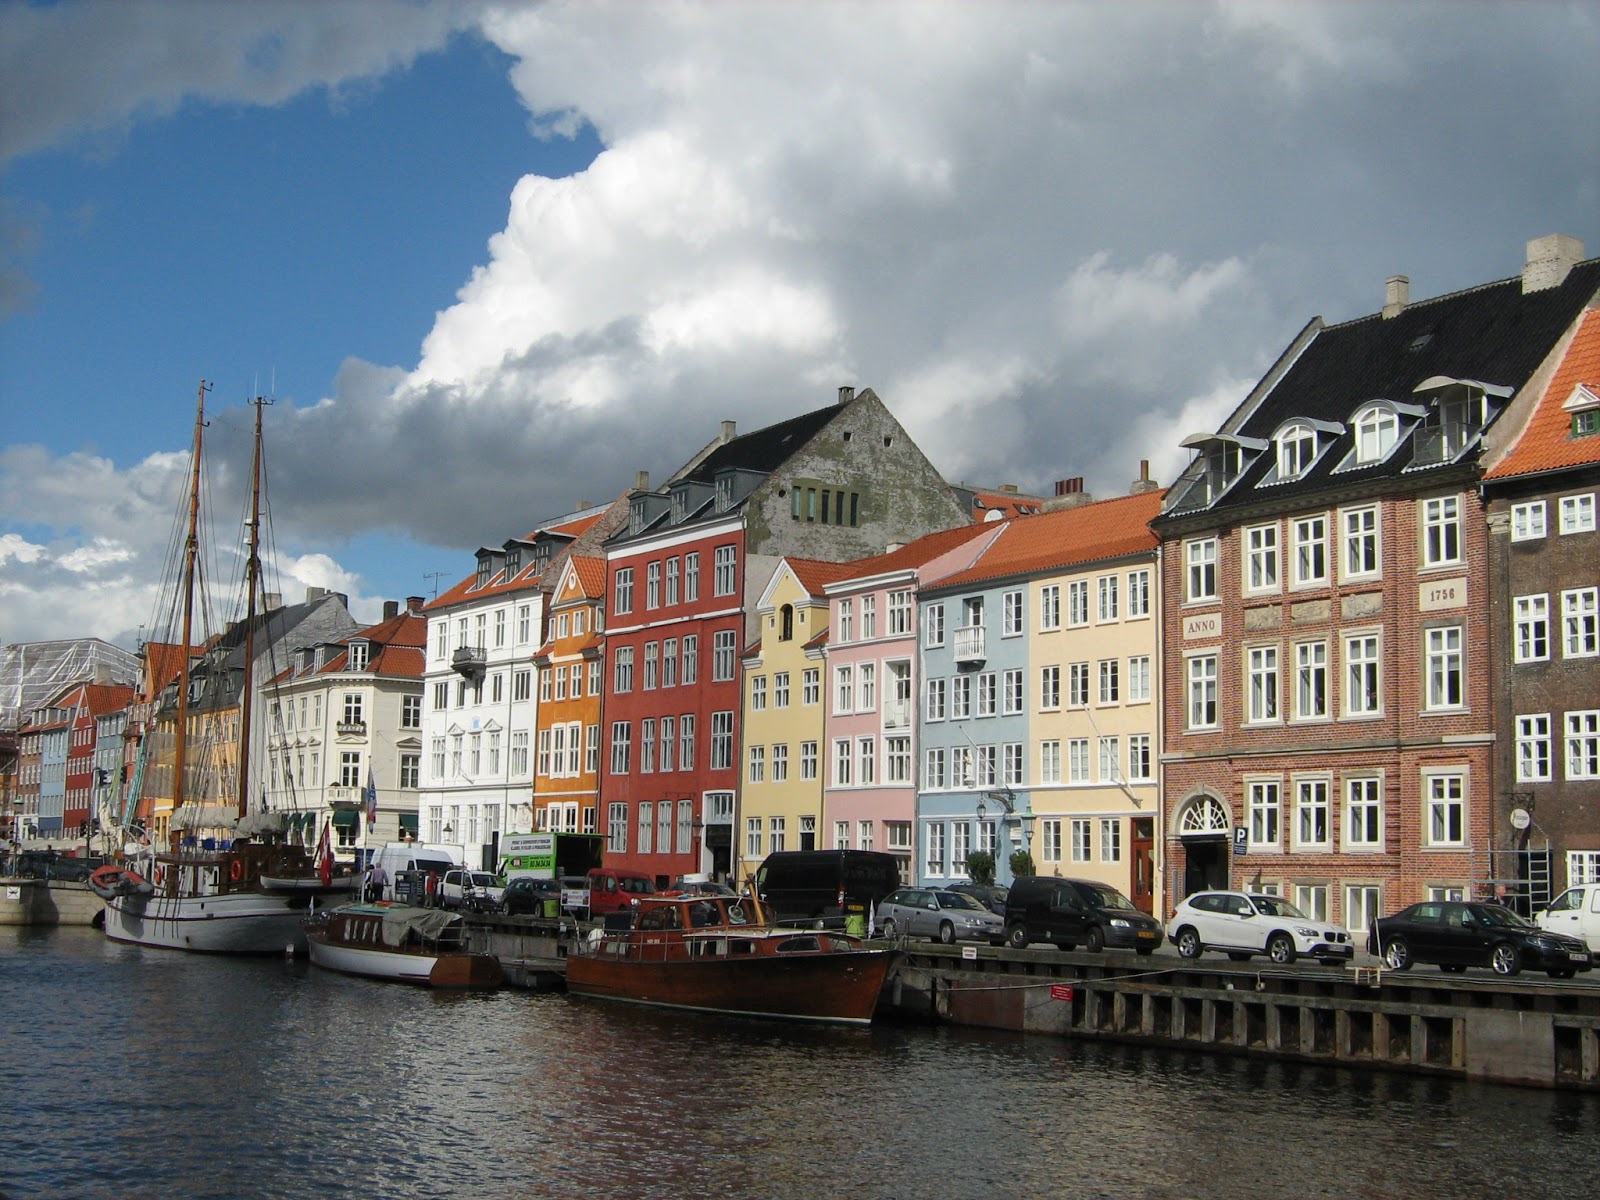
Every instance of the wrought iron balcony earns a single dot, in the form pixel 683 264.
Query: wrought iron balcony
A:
pixel 471 661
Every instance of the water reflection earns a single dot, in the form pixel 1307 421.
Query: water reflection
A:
pixel 220 1078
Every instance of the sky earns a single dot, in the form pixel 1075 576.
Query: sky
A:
pixel 491 260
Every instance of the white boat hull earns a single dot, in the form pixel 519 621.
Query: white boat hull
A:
pixel 374 963
pixel 234 923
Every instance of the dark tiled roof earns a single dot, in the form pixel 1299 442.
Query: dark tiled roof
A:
pixel 1493 334
pixel 764 449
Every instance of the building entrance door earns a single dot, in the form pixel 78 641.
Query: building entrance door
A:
pixel 1205 864
pixel 1144 865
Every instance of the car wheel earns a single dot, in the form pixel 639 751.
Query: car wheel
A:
pixel 1398 955
pixel 1452 968
pixel 1017 937
pixel 1280 949
pixel 1095 941
pixel 1189 943
pixel 889 930
pixel 1562 972
pixel 947 933
pixel 1505 960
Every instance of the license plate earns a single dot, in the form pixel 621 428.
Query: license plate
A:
pixel 1145 933
pixel 1576 957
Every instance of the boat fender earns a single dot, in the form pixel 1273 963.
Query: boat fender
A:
pixel 236 871
pixel 596 936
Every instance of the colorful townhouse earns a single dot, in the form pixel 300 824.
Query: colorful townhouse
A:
pixel 478 700
pixel 870 687
pixel 1330 726
pixel 684 579
pixel 781 799
pixel 566 778
pixel 1544 558
pixel 344 734
pixel 1041 719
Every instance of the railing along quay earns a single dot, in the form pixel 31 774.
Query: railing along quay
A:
pixel 1518 1031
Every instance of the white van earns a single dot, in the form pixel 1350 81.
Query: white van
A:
pixel 425 858
pixel 1575 912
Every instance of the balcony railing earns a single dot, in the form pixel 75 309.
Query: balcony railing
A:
pixel 969 644
pixel 356 727
pixel 470 661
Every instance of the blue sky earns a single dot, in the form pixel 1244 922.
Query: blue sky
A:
pixel 494 258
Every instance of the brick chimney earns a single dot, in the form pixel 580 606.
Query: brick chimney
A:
pixel 1144 483
pixel 1396 295
pixel 391 609
pixel 1549 260
pixel 414 604
pixel 1069 494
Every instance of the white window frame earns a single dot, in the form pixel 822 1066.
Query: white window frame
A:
pixel 1264 812
pixel 1581 738
pixel 1200 559
pixel 1439 802
pixel 1441 532
pixel 1533 747
pixel 1312 797
pixel 1361 535
pixel 1444 669
pixel 1577 513
pixel 1363 794
pixel 1530 640
pixel 1528 521
pixel 1261 559
pixel 1309 545
pixel 1580 623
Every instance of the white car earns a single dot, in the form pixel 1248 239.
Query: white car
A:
pixel 1576 912
pixel 1241 924
pixel 477 890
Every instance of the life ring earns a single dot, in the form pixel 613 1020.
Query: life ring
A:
pixel 236 871
pixel 159 876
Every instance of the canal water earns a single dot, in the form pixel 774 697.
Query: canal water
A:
pixel 134 1074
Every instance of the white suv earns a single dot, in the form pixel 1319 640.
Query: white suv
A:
pixel 477 890
pixel 1243 923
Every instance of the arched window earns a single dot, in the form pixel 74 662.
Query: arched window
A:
pixel 1297 449
pixel 786 623
pixel 1377 429
pixel 1204 815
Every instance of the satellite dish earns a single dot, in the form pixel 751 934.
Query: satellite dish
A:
pixel 1520 818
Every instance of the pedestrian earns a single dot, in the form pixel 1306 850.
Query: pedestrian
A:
pixel 377 881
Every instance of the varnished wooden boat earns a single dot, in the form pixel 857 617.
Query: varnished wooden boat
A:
pixel 718 954
pixel 385 940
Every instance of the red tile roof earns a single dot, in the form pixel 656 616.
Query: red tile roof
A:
pixel 924 549
pixel 1546 442
pixel 814 575
pixel 1065 536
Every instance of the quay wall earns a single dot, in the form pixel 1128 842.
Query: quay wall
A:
pixel 55 902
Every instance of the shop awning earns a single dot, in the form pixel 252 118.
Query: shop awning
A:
pixel 345 818
pixel 408 824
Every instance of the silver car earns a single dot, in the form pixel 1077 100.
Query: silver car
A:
pixel 948 917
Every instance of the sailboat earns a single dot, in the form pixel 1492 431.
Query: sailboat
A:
pixel 227 881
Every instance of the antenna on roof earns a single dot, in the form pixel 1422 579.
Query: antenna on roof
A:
pixel 435 576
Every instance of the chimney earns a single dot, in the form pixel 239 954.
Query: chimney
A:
pixel 1549 260
pixel 641 481
pixel 582 505
pixel 414 604
pixel 729 431
pixel 846 394
pixel 391 609
pixel 1069 494
pixel 1006 489
pixel 314 594
pixel 1144 483
pixel 1396 295
pixel 271 601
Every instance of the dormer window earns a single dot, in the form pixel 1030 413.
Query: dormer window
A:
pixel 1219 460
pixel 724 493
pixel 360 655
pixel 513 561
pixel 636 514
pixel 680 505
pixel 1461 408
pixel 1584 406
pixel 1377 430
pixel 485 570
pixel 1297 450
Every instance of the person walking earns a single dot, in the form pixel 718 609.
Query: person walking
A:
pixel 377 881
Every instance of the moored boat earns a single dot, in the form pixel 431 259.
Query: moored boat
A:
pixel 718 954
pixel 386 940
pixel 113 880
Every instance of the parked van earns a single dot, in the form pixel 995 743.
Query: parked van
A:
pixel 416 861
pixel 615 889
pixel 1576 912
pixel 1073 912
pixel 826 886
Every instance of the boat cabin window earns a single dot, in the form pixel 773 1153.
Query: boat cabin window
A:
pixel 799 945
pixel 662 916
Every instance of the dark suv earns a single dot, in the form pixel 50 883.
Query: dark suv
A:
pixel 1070 912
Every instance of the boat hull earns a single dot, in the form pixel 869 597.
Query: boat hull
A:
pixel 842 988
pixel 466 970
pixel 230 923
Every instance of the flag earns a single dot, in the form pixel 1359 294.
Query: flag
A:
pixel 371 797
pixel 325 856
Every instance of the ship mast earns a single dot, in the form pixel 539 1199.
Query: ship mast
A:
pixel 252 582
pixel 191 551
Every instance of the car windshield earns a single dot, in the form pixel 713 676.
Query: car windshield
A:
pixel 1498 914
pixel 1276 906
pixel 958 900
pixel 482 879
pixel 1104 897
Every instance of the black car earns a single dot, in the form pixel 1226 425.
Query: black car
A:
pixel 1459 934
pixel 1042 908
pixel 527 895
pixel 991 897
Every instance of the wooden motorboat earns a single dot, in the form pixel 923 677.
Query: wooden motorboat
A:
pixel 719 954
pixel 386 940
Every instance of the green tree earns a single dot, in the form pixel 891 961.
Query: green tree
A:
pixel 1021 863
pixel 980 866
